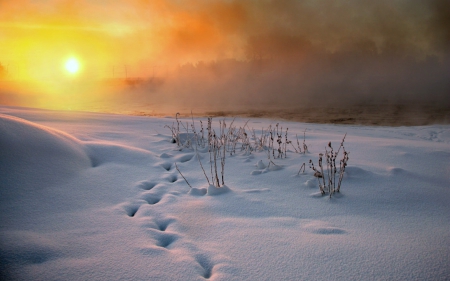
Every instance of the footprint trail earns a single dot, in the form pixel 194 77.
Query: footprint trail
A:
pixel 152 193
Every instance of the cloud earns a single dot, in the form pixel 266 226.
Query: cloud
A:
pixel 229 28
pixel 195 30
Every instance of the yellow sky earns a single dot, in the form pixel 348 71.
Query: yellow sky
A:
pixel 37 39
pixel 106 36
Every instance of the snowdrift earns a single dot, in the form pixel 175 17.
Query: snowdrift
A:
pixel 34 156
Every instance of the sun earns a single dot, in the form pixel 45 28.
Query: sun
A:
pixel 72 65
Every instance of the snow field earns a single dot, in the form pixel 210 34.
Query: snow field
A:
pixel 97 196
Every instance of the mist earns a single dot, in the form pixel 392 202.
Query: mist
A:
pixel 251 55
pixel 320 80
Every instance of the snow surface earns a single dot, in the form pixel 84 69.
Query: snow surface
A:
pixel 87 196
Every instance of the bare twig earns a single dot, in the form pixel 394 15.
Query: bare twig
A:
pixel 182 175
pixel 343 164
pixel 298 144
pixel 198 157
pixel 305 147
pixel 317 174
pixel 303 166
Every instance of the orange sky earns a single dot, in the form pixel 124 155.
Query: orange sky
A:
pixel 136 38
pixel 38 35
pixel 110 36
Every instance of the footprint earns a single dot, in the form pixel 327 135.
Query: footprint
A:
pixel 163 224
pixel 167 166
pixel 164 240
pixel 146 185
pixel 131 210
pixel 152 199
pixel 95 162
pixel 172 178
pixel 206 264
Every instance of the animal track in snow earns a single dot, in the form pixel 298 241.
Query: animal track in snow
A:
pixel 153 191
pixel 164 240
pixel 158 224
pixel 152 199
pixel 131 209
pixel 146 185
pixel 166 165
pixel 163 224
pixel 206 264
pixel 172 178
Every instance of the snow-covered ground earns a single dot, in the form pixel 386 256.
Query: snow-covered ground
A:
pixel 87 196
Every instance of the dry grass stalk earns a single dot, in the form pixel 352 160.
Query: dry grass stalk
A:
pixel 182 175
pixel 302 167
pixel 298 145
pixel 331 169
pixel 318 175
pixel 305 147
pixel 229 137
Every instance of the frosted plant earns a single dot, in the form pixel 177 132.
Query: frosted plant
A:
pixel 328 185
pixel 317 174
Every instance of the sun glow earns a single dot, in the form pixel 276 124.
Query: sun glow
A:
pixel 72 65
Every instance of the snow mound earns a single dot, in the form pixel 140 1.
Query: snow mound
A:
pixel 260 165
pixel 184 158
pixel 165 155
pixel 256 190
pixel 356 172
pixel 396 171
pixel 321 227
pixel 28 248
pixel 102 153
pixel 197 191
pixel 212 190
pixel 185 137
pixel 328 231
pixel 32 153
pixel 311 183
